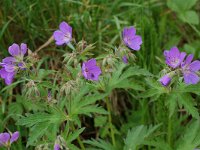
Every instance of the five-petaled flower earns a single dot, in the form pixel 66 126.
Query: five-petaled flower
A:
pixel 11 64
pixel 63 35
pixel 174 57
pixel 7 139
pixel 189 70
pixel 130 38
pixel 90 70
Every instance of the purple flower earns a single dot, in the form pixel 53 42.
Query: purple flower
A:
pixel 189 70
pixel 64 34
pixel 7 76
pixel 6 138
pixel 165 80
pixel 174 57
pixel 12 63
pixel 14 137
pixel 90 70
pixel 125 59
pixel 130 38
pixel 18 51
pixel 56 147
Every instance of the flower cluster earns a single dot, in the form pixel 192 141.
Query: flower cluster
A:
pixel 10 65
pixel 90 70
pixel 7 139
pixel 178 62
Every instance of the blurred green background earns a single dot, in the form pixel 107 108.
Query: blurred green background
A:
pixel 101 22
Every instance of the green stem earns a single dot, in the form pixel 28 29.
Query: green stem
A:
pixel 79 140
pixel 110 121
pixel 169 131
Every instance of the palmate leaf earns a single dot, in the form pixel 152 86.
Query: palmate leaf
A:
pixel 83 102
pixel 99 144
pixel 158 144
pixel 193 88
pixel 40 122
pixel 155 89
pixel 172 99
pixel 190 139
pixel 74 135
pixel 121 77
pixel 187 101
pixel 138 135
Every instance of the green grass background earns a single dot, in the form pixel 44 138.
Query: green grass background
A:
pixel 100 22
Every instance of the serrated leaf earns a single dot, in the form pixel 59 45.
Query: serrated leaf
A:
pixel 37 132
pixel 137 136
pixel 172 102
pixel 187 101
pixel 74 135
pixel 100 144
pixel 190 138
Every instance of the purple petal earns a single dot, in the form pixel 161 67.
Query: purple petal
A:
pixel 174 52
pixel 23 48
pixel 9 80
pixel 135 42
pixel 191 78
pixel 14 50
pixel 195 65
pixel 129 31
pixel 125 59
pixel 65 28
pixel 3 73
pixel 59 37
pixel 166 53
pixel 84 70
pixel 93 77
pixel 56 147
pixel 4 138
pixel 90 63
pixel 165 80
pixel 189 59
pixel 7 76
pixel 95 70
pixel 9 60
pixel 9 68
pixel 14 137
pixel 182 57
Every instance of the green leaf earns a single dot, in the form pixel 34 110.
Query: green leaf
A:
pixel 37 132
pixel 190 17
pixel 100 121
pixel 172 102
pixel 190 139
pixel 180 5
pixel 137 136
pixel 100 144
pixel 193 88
pixel 74 135
pixel 187 101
